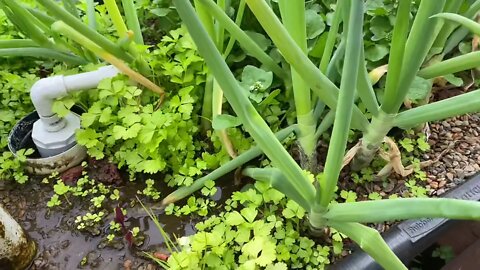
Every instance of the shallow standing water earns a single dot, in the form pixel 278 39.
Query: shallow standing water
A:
pixel 62 246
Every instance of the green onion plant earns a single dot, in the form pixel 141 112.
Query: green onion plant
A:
pixel 412 42
pixel 49 34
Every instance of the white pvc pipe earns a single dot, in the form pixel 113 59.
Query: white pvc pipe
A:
pixel 16 249
pixel 44 92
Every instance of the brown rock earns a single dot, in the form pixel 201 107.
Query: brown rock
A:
pixel 127 265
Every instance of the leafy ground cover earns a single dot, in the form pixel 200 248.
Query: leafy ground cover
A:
pixel 144 144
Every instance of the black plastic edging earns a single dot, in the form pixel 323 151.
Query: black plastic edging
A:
pixel 410 238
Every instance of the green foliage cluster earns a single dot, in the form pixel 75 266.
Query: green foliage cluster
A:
pixel 259 229
pixel 14 104
pixel 139 133
pixel 97 194
pixel 14 99
pixel 11 168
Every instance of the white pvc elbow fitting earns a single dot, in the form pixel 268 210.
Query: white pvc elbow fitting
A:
pixel 44 92
pixel 51 134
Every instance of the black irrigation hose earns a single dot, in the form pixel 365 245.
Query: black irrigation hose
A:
pixel 410 238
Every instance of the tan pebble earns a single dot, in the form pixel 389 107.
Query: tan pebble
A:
pixel 442 184
pixel 450 176
pixel 127 265
pixel 434 185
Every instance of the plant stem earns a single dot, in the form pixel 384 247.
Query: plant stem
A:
pixel 207 106
pixel 248 44
pixel 70 7
pixel 454 106
pixel 238 22
pixel 132 20
pixel 404 208
pixel 372 139
pixel 28 24
pixel 318 82
pixel 92 22
pixel 417 46
pixel 42 53
pixel 17 43
pixel 63 28
pixel 224 169
pixel 397 52
pixel 236 96
pixel 91 34
pixel 452 65
pixel 448 28
pixel 293 16
pixel 343 114
pixel 116 17
pixel 461 32
pixel 331 38
pixel 364 87
pixel 372 243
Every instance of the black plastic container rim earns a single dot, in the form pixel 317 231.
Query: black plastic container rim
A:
pixel 410 238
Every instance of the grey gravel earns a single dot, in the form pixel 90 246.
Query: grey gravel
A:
pixel 458 137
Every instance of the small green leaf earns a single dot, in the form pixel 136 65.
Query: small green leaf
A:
pixel 453 80
pixel 161 12
pixel 234 218
pixel 419 89
pixel 88 119
pixel 249 214
pixel 263 42
pixel 225 121
pixel 256 79
pixel 376 52
pixel 315 24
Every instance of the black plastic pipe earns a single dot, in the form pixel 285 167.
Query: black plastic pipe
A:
pixel 410 238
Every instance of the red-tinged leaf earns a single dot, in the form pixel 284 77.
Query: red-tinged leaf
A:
pixel 71 176
pixel 161 256
pixel 129 238
pixel 119 216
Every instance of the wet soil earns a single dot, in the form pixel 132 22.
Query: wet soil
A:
pixel 61 246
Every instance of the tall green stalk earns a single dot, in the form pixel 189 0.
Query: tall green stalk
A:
pixel 287 177
pixel 57 11
pixel 343 114
pixel 41 53
pixel 406 57
pixel 238 99
pixel 293 16
pixel 132 20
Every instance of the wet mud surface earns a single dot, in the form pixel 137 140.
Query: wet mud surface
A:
pixel 61 246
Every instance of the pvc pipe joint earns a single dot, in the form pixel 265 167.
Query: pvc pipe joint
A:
pixel 51 134
pixel 44 92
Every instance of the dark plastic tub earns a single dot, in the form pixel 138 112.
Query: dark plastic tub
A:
pixel 410 238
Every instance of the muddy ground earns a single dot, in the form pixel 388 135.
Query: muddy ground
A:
pixel 62 246
pixel 454 144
